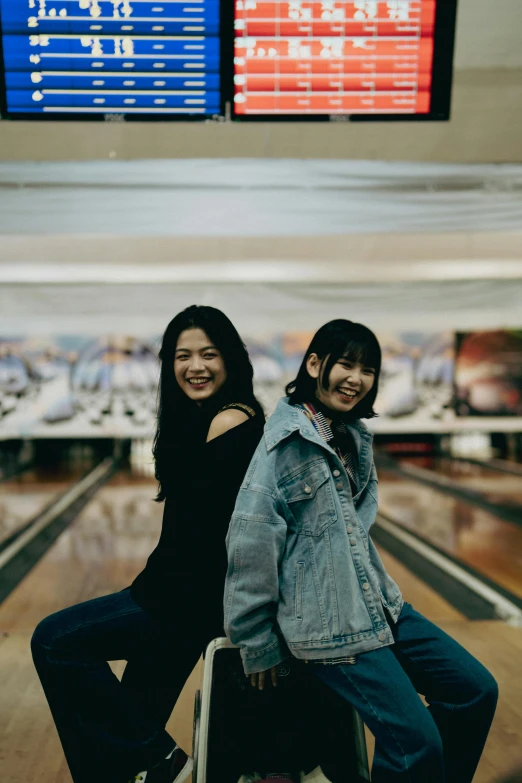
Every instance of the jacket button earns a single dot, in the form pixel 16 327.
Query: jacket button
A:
pixel 353 542
pixel 339 485
pixel 349 530
pixel 307 489
pixel 336 473
pixel 366 586
pixel 382 636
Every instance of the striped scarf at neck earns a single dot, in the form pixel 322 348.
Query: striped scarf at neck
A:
pixel 337 437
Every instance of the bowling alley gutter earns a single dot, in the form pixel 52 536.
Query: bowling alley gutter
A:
pixel 477 597
pixel 504 466
pixel 510 513
pixel 23 553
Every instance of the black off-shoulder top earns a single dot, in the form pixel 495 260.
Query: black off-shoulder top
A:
pixel 182 583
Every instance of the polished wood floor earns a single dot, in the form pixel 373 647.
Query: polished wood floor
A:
pixel 480 539
pixel 101 552
pixel 494 485
pixel 26 495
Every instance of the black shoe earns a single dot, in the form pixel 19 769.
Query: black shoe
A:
pixel 175 769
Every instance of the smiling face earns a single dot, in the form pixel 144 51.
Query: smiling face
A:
pixel 348 384
pixel 199 367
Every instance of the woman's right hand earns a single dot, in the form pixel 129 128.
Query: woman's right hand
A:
pixel 258 680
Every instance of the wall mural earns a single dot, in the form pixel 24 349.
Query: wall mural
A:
pixel 488 373
pixel 73 386
pixel 417 376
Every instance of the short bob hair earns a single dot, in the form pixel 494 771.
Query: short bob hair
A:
pixel 336 339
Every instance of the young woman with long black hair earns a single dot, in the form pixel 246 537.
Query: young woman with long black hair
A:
pixel 209 424
pixel 305 579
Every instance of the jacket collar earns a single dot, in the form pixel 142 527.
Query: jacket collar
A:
pixel 286 419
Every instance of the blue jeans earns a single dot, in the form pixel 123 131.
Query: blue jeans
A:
pixel 110 730
pixel 439 744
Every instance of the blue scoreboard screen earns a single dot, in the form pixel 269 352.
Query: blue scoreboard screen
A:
pixel 94 57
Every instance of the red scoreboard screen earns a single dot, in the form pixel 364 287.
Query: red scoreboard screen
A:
pixel 301 58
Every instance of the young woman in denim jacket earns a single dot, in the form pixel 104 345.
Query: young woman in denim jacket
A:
pixel 209 424
pixel 304 578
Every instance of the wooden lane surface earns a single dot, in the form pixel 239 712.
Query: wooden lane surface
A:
pixel 100 553
pixel 26 495
pixel 490 545
pixel 494 485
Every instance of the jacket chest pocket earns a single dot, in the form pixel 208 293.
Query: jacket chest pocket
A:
pixel 310 500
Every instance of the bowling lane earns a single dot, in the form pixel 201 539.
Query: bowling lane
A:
pixel 26 495
pixel 108 543
pixel 493 485
pixel 101 552
pixel 425 599
pixel 110 540
pixel 479 539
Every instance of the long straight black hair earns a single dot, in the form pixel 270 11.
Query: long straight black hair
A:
pixel 181 423
pixel 336 339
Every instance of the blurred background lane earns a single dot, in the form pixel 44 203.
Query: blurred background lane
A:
pixel 492 484
pixel 476 537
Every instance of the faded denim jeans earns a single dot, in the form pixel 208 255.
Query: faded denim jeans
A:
pixel 438 744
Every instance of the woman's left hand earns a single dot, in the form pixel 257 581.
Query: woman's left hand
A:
pixel 258 680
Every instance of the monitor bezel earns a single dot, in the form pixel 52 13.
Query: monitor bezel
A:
pixel 440 109
pixel 442 81
pixel 101 116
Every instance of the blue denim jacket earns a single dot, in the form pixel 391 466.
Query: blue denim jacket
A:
pixel 304 577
